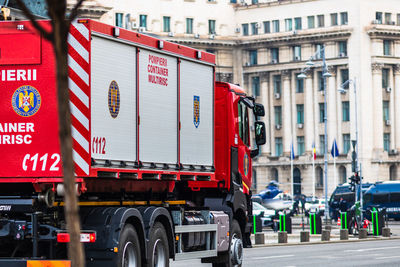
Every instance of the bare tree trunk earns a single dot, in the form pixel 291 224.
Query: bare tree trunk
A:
pixel 59 37
pixel 75 248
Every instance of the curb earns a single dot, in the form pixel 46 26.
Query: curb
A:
pixel 327 242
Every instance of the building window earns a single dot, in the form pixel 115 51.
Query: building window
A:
pixel 253 57
pixel 342 174
pixel 386 142
pixel 343 48
pixel 344 73
pixel 297 24
pixel 343 18
pixel 379 17
pixel 128 24
pixel 245 29
pixel 311 22
pixel 254 2
pixel 166 24
pixel 233 1
pixel 388 18
pixel 274 55
pixel 300 145
pixel 385 105
pixel 321 112
pixel 278 115
pixel 189 25
pixel 143 21
pixel 275 174
pixel 288 25
pixel 385 78
pixel 118 19
pixel 296 53
pixel 387 45
pixel 277 84
pixel 267 27
pixel 278 146
pixel 254 28
pixel 318 50
pixel 211 26
pixel 321 20
pixel 300 113
pixel 320 178
pixel 275 25
pixel 346 143
pixel 322 144
pixel 299 85
pixel 334 19
pixel 345 111
pixel 398 19
pixel 320 81
pixel 255 82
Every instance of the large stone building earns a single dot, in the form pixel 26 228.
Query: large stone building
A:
pixel 264 46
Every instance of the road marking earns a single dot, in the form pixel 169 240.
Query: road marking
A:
pixel 368 249
pixel 388 257
pixel 273 257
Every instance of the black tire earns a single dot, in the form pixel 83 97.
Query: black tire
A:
pixel 234 233
pixel 129 248
pixel 158 250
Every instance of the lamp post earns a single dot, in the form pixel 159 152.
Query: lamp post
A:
pixel 343 90
pixel 320 54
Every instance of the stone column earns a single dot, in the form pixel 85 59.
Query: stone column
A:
pixel 265 100
pixel 331 105
pixel 396 99
pixel 377 107
pixel 309 124
pixel 286 112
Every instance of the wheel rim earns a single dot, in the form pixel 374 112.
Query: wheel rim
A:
pixel 129 256
pixel 236 250
pixel 159 255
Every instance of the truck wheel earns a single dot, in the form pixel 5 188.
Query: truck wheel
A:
pixel 234 256
pixel 129 248
pixel 158 251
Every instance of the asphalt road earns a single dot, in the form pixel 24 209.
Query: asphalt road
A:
pixel 366 253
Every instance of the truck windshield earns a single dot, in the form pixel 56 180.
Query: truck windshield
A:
pixel 243 123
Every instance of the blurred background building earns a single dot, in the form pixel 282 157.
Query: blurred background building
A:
pixel 264 45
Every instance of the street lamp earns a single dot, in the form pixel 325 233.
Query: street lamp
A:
pixel 325 73
pixel 342 89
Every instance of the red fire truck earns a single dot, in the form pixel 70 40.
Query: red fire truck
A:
pixel 162 151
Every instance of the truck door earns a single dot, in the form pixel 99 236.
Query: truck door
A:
pixel 244 159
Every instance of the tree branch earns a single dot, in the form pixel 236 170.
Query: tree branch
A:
pixel 47 35
pixel 74 12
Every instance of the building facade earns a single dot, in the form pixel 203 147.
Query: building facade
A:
pixel 264 45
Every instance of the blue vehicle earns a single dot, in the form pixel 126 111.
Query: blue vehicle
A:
pixel 384 195
pixel 343 192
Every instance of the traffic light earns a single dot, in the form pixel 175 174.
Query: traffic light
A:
pixel 352 186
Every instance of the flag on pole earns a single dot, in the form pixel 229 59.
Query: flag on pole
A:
pixel 314 151
pixel 334 150
pixel 292 152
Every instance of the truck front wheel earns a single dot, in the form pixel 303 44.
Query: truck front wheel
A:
pixel 158 252
pixel 234 256
pixel 129 248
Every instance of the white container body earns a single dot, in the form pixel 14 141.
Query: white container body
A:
pixel 113 110
pixel 158 108
pixel 196 111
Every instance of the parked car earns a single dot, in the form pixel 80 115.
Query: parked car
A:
pixel 268 214
pixel 384 196
pixel 317 206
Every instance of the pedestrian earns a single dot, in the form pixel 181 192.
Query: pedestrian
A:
pixel 342 205
pixel 303 203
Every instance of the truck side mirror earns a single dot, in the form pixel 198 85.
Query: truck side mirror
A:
pixel 248 103
pixel 260 133
pixel 259 110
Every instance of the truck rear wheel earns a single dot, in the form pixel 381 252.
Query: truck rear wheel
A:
pixel 158 251
pixel 129 248
pixel 234 256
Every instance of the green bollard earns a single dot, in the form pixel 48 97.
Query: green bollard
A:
pixel 343 220
pixel 282 223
